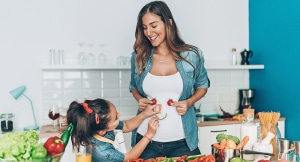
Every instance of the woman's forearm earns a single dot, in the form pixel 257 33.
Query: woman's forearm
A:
pixel 136 94
pixel 198 94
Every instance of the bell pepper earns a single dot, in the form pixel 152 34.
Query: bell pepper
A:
pixel 39 152
pixel 54 145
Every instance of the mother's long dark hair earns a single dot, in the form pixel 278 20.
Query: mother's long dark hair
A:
pixel 142 45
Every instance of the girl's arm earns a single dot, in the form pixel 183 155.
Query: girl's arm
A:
pixel 137 150
pixel 134 122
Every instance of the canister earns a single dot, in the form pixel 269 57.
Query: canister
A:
pixel 7 122
pixel 297 151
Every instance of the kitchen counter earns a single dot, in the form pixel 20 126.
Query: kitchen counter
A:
pixel 222 122
pixel 45 131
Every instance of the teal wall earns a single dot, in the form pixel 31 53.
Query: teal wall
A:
pixel 274 34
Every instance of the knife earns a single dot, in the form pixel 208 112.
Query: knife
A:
pixel 256 152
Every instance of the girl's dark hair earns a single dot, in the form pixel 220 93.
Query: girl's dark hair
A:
pixel 142 45
pixel 85 125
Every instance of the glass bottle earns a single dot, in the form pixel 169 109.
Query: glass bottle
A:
pixel 234 56
pixel 249 128
pixel 7 122
pixel 66 134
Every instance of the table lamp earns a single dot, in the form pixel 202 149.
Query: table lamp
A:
pixel 16 93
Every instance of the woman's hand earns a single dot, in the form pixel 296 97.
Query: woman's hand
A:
pixel 181 106
pixel 143 103
pixel 150 110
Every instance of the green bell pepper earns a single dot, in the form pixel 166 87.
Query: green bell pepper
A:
pixel 39 152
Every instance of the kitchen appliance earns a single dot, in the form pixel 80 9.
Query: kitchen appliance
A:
pixel 246 99
pixel 245 57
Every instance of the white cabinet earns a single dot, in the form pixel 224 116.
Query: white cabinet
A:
pixel 207 134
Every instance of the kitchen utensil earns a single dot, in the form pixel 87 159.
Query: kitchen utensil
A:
pixel 297 147
pixel 296 157
pixel 225 155
pixel 245 57
pixel 285 148
pixel 226 114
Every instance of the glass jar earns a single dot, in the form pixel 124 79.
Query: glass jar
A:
pixel 249 128
pixel 273 128
pixel 7 122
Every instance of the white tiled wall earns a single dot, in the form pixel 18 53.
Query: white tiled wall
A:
pixel 61 87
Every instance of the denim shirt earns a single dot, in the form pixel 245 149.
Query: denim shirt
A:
pixel 192 80
pixel 103 151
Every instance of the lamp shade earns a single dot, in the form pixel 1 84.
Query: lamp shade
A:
pixel 16 93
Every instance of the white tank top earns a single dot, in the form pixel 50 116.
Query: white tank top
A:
pixel 164 88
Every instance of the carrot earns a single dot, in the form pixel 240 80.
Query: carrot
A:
pixel 240 145
pixel 223 143
pixel 245 140
pixel 216 145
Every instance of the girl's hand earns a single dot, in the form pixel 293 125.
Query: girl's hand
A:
pixel 143 102
pixel 150 110
pixel 153 124
pixel 181 106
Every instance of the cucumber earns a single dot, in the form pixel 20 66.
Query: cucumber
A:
pixel 194 157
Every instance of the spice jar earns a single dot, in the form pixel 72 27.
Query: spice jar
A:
pixel 7 123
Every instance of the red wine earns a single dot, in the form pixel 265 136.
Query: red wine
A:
pixel 53 116
pixel 246 106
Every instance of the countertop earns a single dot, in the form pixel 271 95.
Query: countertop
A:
pixel 222 122
pixel 45 131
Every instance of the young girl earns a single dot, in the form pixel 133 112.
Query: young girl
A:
pixel 94 123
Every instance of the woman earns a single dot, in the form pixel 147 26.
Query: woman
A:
pixel 94 124
pixel 171 73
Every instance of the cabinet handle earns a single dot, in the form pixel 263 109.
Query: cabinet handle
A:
pixel 218 131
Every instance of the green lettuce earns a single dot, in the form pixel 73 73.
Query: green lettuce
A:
pixel 17 146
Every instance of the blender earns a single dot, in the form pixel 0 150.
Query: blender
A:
pixel 246 99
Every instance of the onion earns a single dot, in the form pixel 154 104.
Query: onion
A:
pixel 230 144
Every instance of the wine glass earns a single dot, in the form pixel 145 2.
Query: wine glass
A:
pixel 102 59
pixel 53 115
pixel 246 102
pixel 82 55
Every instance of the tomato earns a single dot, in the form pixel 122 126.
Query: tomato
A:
pixel 262 160
pixel 160 158
pixel 154 101
pixel 137 160
pixel 209 158
pixel 182 158
pixel 151 160
pixel 170 101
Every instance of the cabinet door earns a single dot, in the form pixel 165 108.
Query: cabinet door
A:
pixel 207 136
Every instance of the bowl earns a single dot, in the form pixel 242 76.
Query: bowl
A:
pixel 55 158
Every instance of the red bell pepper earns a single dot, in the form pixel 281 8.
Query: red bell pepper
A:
pixel 54 145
